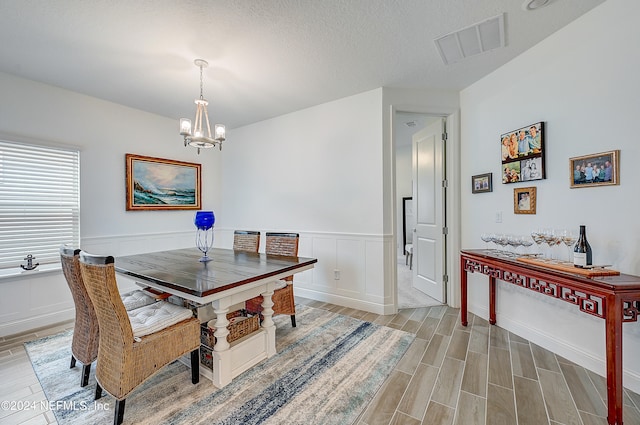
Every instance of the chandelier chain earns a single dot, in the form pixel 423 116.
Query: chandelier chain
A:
pixel 201 97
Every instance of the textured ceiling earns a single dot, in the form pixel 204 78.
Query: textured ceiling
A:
pixel 266 57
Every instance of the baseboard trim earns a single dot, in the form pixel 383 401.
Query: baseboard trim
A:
pixel 345 301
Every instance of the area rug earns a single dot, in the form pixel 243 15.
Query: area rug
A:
pixel 326 371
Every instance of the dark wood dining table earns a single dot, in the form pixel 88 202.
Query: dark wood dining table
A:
pixel 230 278
pixel 616 299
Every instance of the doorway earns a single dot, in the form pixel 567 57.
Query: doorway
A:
pixel 406 126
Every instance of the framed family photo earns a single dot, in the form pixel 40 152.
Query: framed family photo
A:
pixel 524 200
pixel 598 169
pixel 482 183
pixel 523 153
pixel 162 184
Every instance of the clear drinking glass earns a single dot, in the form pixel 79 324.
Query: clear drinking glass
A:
pixel 514 241
pixel 536 235
pixel 486 238
pixel 501 240
pixel 569 239
pixel 526 242
pixel 552 238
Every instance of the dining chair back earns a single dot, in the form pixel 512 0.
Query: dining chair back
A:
pixel 84 344
pixel 283 298
pixel 246 240
pixel 134 345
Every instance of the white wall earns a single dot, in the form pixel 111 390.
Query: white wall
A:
pixel 314 170
pixel 317 172
pixel 103 132
pixel 582 81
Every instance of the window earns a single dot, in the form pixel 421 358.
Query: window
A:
pixel 39 202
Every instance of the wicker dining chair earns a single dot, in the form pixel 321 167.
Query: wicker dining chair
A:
pixel 131 351
pixel 246 240
pixel 283 298
pixel 84 345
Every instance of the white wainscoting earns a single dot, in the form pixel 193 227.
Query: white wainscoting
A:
pixel 34 300
pixel 40 299
pixel 364 282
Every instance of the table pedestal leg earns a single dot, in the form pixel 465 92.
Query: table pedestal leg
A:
pixel 221 354
pixel 267 322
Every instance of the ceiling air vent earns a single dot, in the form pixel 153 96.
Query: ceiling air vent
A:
pixel 475 39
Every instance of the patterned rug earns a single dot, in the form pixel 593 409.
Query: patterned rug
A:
pixel 326 371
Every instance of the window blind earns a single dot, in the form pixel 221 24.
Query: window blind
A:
pixel 39 202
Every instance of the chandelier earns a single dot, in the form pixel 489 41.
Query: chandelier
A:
pixel 197 138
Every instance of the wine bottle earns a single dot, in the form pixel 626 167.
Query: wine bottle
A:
pixel 582 255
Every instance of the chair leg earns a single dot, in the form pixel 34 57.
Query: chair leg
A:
pixel 118 417
pixel 73 362
pixel 195 366
pixel 98 392
pixel 293 320
pixel 411 261
pixel 86 370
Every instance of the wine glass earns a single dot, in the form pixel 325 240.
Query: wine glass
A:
pixel 526 241
pixel 514 241
pixel 569 239
pixel 501 240
pixel 536 235
pixel 486 238
pixel 552 238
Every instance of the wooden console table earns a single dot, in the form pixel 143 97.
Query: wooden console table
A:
pixel 616 299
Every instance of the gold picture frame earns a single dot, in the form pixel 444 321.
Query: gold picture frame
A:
pixel 524 200
pixel 597 169
pixel 162 184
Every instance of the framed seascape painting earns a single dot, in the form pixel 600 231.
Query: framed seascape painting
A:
pixel 162 184
pixel 598 169
pixel 523 154
pixel 482 183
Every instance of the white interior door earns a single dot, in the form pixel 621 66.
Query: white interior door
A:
pixel 428 204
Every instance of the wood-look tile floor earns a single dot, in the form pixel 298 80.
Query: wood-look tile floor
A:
pixel 450 375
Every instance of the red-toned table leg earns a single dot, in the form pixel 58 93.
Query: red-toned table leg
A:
pixel 492 300
pixel 613 329
pixel 463 293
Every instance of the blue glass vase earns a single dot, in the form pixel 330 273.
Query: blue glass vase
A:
pixel 204 222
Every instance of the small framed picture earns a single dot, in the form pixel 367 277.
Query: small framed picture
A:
pixel 598 169
pixel 524 200
pixel 482 183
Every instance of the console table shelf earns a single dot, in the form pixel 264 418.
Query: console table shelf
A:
pixel 616 299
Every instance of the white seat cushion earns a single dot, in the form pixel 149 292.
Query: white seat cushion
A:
pixel 136 299
pixel 155 317
pixel 280 284
pixel 408 248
